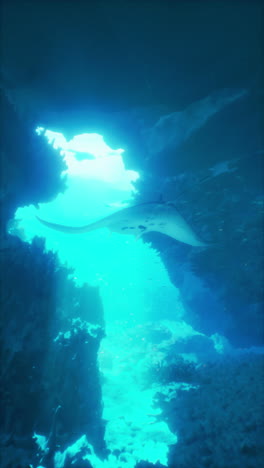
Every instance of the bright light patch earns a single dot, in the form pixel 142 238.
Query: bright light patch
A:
pixel 41 441
pixel 40 130
pixel 106 163
pixel 91 143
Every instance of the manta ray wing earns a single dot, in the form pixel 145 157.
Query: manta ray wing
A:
pixel 138 220
pixel 62 228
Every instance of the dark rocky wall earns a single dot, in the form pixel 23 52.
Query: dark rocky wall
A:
pixel 48 386
pixel 49 380
pixel 222 286
pixel 115 55
pixel 30 170
pixel 220 422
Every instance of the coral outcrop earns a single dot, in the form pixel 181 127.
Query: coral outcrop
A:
pixel 219 420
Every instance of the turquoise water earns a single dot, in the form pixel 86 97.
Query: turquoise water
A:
pixel 136 292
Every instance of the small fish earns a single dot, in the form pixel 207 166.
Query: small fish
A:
pixel 138 220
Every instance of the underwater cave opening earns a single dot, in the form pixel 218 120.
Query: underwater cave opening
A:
pixel 136 293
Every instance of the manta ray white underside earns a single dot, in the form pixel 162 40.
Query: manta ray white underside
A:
pixel 138 220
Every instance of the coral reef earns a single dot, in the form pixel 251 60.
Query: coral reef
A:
pixel 219 421
pixel 44 380
pixel 222 286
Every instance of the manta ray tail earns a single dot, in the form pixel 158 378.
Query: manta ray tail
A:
pixel 67 229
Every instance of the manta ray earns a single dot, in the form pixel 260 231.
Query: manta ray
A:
pixel 138 220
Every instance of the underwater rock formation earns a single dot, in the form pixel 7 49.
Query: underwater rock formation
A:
pixel 30 170
pixel 220 421
pixel 171 130
pixel 44 381
pixel 50 335
pixel 222 286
